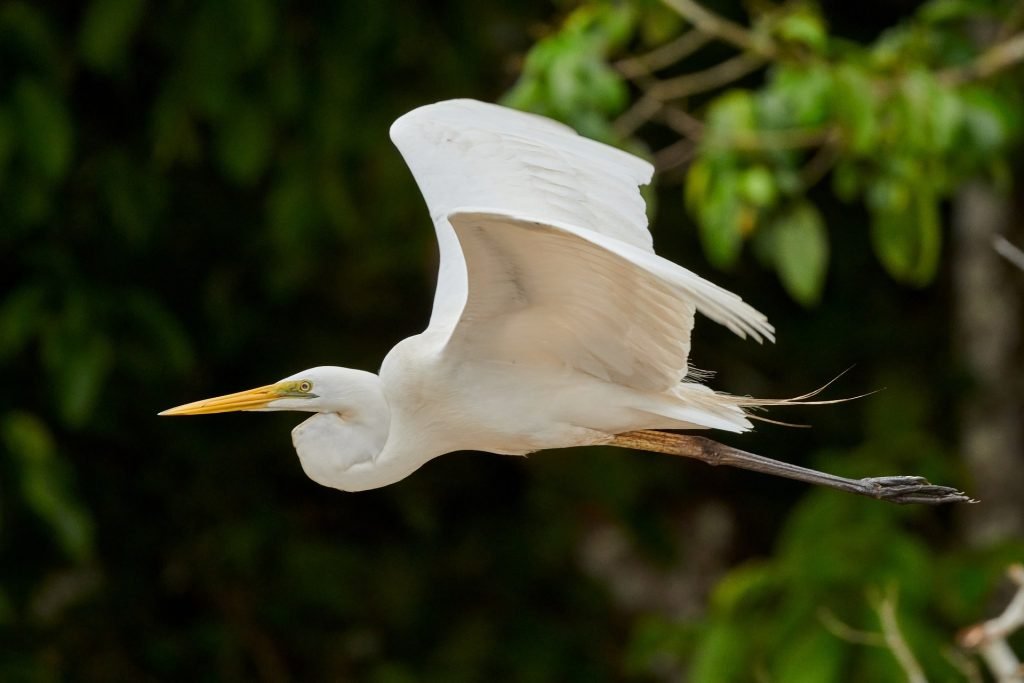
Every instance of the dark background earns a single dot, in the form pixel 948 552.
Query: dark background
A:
pixel 200 197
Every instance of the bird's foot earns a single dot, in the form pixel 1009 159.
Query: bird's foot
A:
pixel 910 489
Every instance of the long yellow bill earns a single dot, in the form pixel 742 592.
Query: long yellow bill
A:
pixel 253 399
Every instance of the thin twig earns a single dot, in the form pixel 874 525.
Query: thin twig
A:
pixel 639 113
pixel 967 667
pixel 711 78
pixel 682 122
pixel 1008 250
pixel 675 155
pixel 989 637
pixel 821 162
pixel 662 56
pixel 785 138
pixel 844 631
pixel 720 27
pixel 1011 22
pixel 998 57
pixel 886 610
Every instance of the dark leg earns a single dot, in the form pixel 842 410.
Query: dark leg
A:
pixel 896 489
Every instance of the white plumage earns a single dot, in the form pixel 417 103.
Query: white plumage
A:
pixel 554 322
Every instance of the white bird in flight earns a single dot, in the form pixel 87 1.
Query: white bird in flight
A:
pixel 554 322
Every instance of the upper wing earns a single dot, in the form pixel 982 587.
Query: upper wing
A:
pixel 554 295
pixel 468 153
pixel 545 252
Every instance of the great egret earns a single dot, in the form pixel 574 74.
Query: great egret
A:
pixel 554 323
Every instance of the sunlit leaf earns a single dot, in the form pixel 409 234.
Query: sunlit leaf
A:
pixel 854 106
pixel 720 216
pixel 803 26
pixel 757 186
pixel 721 655
pixel 989 120
pixel 801 251
pixel 797 95
pixel 729 116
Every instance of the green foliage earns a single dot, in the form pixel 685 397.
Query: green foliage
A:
pixel 44 483
pixel 834 558
pixel 800 247
pixel 196 197
pixel 567 76
pixel 901 122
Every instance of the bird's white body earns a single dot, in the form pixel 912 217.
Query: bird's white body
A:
pixel 554 323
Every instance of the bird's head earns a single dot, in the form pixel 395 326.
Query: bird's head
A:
pixel 317 390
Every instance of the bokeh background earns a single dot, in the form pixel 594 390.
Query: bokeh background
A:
pixel 200 197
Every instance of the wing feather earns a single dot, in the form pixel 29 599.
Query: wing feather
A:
pixel 545 254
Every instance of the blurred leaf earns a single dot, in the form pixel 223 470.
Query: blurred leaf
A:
pixel 82 378
pixel 8 140
pixel 905 229
pixel 254 22
pixel 757 185
pixel 744 585
pixel 936 11
pixel 244 143
pixel 987 119
pixel 25 31
pixel 698 179
pixel 134 197
pixel 796 96
pixel 78 358
pixel 729 116
pixel 45 126
pixel 45 483
pixel 813 657
pixel 930 113
pixel 801 251
pixel 106 31
pixel 20 316
pixel 721 655
pixel 721 220
pixel 803 26
pixel 847 180
pixel 854 107
pixel 7 612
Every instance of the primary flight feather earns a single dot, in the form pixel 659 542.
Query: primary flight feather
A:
pixel 554 322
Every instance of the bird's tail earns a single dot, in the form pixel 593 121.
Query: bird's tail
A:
pixel 690 405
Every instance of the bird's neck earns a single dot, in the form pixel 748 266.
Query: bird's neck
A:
pixel 356 449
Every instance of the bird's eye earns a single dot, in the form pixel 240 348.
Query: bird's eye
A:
pixel 305 386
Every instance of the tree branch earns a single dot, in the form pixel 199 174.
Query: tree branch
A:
pixel 894 640
pixel 713 77
pixel 989 637
pixel 712 24
pixel 1008 251
pixel 665 55
pixel 993 60
pixel 895 489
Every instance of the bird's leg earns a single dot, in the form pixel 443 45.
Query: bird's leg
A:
pixel 896 489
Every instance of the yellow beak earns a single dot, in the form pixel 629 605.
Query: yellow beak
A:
pixel 253 399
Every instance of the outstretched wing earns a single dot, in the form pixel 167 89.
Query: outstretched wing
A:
pixel 551 294
pixel 545 254
pixel 469 153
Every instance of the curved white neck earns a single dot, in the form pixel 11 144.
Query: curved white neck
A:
pixel 346 449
